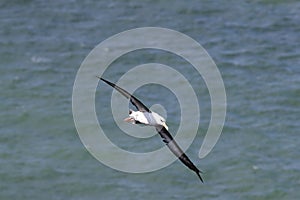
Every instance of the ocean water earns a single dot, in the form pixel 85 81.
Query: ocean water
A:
pixel 255 45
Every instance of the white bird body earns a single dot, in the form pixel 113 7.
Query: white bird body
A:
pixel 146 118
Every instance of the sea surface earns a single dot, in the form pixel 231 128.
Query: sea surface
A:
pixel 256 46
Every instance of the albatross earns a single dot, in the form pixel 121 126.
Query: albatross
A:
pixel 145 116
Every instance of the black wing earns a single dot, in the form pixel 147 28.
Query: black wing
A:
pixel 173 146
pixel 139 105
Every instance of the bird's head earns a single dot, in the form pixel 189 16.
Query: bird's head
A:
pixel 132 117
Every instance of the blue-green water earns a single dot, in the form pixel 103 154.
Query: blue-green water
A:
pixel 255 44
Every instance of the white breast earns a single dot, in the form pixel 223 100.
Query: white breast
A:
pixel 152 119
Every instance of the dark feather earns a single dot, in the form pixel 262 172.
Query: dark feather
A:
pixel 139 105
pixel 176 150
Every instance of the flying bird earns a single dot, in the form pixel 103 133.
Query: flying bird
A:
pixel 145 116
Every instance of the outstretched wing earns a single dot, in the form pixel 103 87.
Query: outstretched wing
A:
pixel 139 105
pixel 173 146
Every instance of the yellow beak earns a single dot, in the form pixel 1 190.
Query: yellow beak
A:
pixel 129 120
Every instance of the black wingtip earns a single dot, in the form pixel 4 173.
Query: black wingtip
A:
pixel 101 79
pixel 107 82
pixel 198 174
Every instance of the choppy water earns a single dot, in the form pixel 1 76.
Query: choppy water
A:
pixel 255 44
